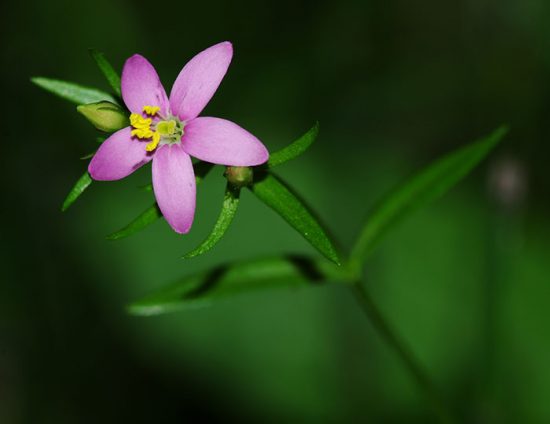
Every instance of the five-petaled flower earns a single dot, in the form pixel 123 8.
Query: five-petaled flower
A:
pixel 168 131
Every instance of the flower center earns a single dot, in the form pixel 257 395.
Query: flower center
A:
pixel 157 129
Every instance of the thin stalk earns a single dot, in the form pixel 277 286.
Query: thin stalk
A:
pixel 383 328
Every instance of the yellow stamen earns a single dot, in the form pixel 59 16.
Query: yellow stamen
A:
pixel 153 144
pixel 151 110
pixel 142 133
pixel 138 121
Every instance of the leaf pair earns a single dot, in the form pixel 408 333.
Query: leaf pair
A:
pixel 205 288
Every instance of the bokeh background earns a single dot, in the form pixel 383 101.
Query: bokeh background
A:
pixel 394 85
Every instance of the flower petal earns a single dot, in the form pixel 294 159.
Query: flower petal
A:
pixel 199 79
pixel 118 157
pixel 174 186
pixel 222 142
pixel 141 86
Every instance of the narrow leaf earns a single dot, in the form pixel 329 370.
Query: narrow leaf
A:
pixel 229 209
pixel 152 213
pixel 72 92
pixel 275 194
pixel 427 185
pixel 82 184
pixel 206 288
pixel 295 149
pixel 107 69
pixel 147 217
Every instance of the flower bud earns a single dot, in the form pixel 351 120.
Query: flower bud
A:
pixel 239 176
pixel 105 116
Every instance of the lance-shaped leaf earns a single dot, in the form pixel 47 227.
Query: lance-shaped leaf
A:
pixel 152 213
pixel 73 92
pixel 229 209
pixel 206 288
pixel 146 218
pixel 422 188
pixel 107 70
pixel 295 149
pixel 278 196
pixel 82 184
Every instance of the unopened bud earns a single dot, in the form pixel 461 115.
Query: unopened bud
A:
pixel 105 116
pixel 239 176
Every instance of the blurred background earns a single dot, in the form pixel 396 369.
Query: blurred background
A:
pixel 394 85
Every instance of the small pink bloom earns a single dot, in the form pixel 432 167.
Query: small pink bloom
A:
pixel 168 131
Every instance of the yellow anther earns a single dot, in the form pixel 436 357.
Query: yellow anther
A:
pixel 142 133
pixel 153 144
pixel 134 118
pixel 151 110
pixel 138 121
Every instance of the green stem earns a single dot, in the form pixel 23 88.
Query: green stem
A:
pixel 394 341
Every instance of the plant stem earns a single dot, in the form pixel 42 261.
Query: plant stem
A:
pixel 394 341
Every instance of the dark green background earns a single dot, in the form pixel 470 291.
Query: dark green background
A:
pixel 394 84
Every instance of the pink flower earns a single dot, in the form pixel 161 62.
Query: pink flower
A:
pixel 167 131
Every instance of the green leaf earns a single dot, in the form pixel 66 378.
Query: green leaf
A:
pixel 72 92
pixel 229 209
pixel 275 194
pixel 82 184
pixel 107 69
pixel 425 186
pixel 146 218
pixel 152 213
pixel 295 149
pixel 208 287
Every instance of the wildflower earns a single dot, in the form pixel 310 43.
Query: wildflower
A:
pixel 168 131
